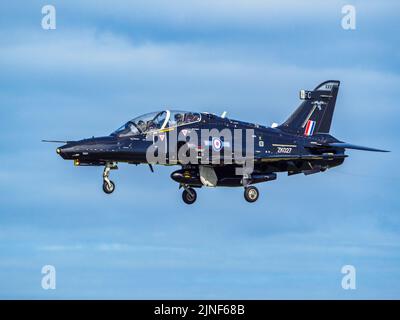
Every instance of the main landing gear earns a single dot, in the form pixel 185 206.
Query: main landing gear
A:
pixel 251 194
pixel 189 195
pixel 108 185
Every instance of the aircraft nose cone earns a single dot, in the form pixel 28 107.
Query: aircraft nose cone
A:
pixel 65 151
pixel 61 152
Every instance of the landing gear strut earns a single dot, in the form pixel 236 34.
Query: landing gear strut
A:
pixel 189 195
pixel 108 185
pixel 251 194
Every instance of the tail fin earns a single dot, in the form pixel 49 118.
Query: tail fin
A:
pixel 315 113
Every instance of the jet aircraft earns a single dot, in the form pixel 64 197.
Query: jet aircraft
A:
pixel 301 144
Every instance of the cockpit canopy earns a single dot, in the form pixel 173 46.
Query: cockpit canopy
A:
pixel 156 121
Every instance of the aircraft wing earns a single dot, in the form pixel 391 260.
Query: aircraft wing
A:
pixel 323 156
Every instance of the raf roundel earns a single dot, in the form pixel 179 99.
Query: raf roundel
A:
pixel 216 144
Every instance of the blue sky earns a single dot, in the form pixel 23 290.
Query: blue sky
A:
pixel 109 61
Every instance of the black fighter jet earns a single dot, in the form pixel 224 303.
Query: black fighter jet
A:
pixel 216 151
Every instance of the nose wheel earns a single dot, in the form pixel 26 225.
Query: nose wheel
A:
pixel 189 195
pixel 251 194
pixel 108 185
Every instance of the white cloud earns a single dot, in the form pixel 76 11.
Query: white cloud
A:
pixel 58 248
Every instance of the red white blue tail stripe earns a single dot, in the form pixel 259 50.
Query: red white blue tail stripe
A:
pixel 309 128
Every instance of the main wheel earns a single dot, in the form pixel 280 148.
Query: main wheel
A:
pixel 108 188
pixel 251 194
pixel 189 196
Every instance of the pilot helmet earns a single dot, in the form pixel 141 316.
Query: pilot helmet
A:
pixel 178 117
pixel 189 117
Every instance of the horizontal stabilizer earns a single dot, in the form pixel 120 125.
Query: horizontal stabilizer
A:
pixel 353 146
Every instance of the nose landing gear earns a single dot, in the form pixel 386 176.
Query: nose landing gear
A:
pixel 108 185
